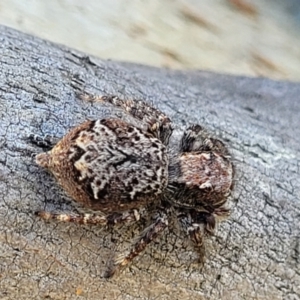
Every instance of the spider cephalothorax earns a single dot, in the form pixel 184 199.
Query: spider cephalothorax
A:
pixel 118 168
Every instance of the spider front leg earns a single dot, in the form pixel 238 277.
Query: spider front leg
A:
pixel 126 217
pixel 195 232
pixel 159 125
pixel 195 138
pixel 145 238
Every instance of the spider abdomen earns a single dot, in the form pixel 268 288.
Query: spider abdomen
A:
pixel 109 165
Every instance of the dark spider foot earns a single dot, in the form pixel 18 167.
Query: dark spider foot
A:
pixel 46 141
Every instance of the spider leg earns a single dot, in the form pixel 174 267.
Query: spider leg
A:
pixel 145 238
pixel 46 141
pixel 159 125
pixel 195 138
pixel 195 232
pixel 126 217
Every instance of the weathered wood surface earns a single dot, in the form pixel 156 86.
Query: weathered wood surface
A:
pixel 254 255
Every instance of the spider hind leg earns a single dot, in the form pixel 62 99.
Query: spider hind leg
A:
pixel 158 124
pixel 47 141
pixel 112 219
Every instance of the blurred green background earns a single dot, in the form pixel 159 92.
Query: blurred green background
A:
pixel 245 37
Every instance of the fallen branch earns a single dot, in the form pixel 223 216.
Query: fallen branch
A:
pixel 255 253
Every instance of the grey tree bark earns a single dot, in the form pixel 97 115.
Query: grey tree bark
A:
pixel 255 254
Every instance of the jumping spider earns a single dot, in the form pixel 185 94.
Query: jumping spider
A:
pixel 120 169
